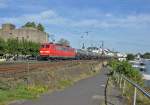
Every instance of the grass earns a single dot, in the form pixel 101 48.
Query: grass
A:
pixel 32 92
pixel 21 92
pixel 68 82
pixel 64 83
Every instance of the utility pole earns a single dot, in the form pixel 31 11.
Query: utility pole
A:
pixel 83 46
pixel 86 33
pixel 102 48
pixel 52 37
pixel 102 55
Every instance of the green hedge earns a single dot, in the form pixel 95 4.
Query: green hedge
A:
pixel 127 70
pixel 14 47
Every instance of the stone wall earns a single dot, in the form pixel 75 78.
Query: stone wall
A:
pixel 30 34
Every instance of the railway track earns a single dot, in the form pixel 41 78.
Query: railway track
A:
pixel 12 67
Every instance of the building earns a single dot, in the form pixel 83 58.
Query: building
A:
pixel 121 56
pixel 31 34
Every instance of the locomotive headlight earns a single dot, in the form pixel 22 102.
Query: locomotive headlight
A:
pixel 47 51
pixel 41 51
pixel 44 51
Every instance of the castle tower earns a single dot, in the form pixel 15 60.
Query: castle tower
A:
pixel 8 27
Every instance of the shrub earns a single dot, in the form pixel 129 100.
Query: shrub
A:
pixel 127 70
pixel 14 46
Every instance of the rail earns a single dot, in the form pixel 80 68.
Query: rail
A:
pixel 122 79
pixel 16 69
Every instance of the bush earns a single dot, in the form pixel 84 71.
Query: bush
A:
pixel 2 47
pixel 127 70
pixel 14 47
pixel 146 55
pixel 130 57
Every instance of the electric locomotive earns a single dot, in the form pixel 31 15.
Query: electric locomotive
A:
pixel 56 51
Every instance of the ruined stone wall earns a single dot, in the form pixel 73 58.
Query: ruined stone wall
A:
pixel 29 34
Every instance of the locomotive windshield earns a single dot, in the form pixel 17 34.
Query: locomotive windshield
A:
pixel 42 46
pixel 47 46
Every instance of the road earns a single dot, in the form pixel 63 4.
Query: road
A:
pixel 89 91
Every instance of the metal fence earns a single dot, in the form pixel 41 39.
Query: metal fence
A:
pixel 122 82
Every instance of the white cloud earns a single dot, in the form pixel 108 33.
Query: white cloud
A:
pixel 114 22
pixel 51 17
pixel 108 15
pixel 48 14
pixel 46 17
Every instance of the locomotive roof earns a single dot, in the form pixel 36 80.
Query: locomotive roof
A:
pixel 57 44
pixel 62 45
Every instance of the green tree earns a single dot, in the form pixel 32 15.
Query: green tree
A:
pixel 2 47
pixel 13 46
pixel 30 24
pixel 64 42
pixel 23 47
pixel 146 55
pixel 127 70
pixel 130 57
pixel 40 27
pixel 31 48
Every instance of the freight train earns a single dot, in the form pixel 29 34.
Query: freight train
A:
pixel 51 51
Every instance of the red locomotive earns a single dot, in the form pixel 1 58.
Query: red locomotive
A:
pixel 56 51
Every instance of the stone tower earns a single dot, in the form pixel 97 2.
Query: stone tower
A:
pixel 8 27
pixel 9 31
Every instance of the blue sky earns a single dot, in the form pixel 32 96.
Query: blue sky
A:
pixel 124 25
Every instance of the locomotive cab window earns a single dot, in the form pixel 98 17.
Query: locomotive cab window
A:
pixel 42 46
pixel 47 46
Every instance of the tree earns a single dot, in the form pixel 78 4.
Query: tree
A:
pixel 29 48
pixel 146 55
pixel 40 27
pixel 30 24
pixel 130 57
pixel 127 70
pixel 33 25
pixel 2 46
pixel 13 46
pixel 64 42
